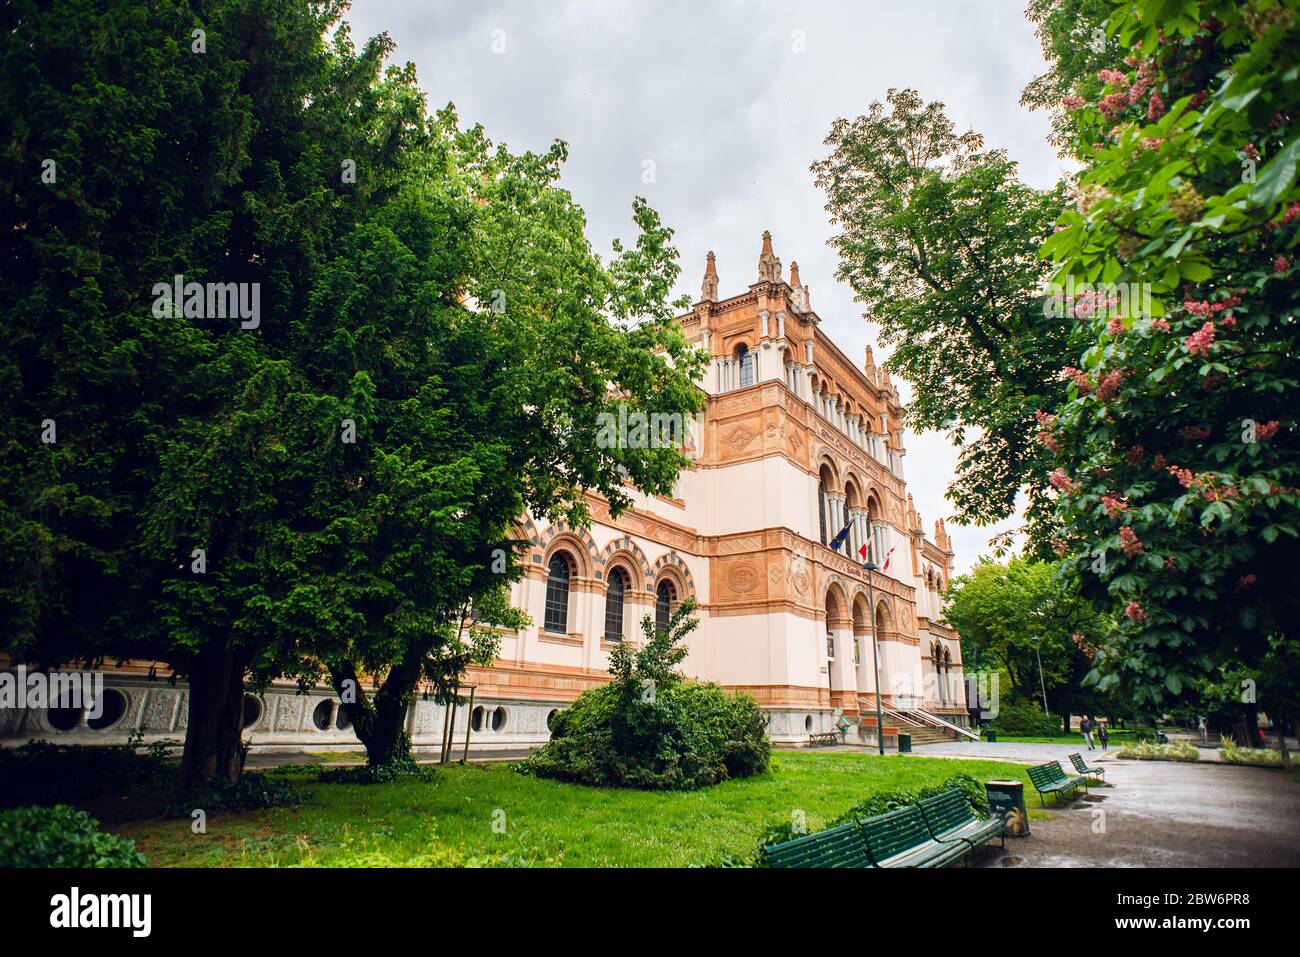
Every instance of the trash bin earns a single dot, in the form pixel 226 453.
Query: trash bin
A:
pixel 990 735
pixel 1008 799
pixel 904 744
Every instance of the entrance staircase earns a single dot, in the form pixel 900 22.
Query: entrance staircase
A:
pixel 924 727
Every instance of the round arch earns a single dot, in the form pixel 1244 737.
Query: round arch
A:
pixel 626 552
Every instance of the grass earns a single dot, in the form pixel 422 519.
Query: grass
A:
pixel 490 815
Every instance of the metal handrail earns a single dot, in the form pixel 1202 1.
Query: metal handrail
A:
pixel 935 719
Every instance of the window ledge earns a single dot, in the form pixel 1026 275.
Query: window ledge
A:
pixel 558 639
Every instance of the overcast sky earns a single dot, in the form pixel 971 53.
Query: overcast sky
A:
pixel 731 100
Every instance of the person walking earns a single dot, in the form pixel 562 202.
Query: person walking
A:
pixel 1085 728
pixel 1205 731
pixel 1102 734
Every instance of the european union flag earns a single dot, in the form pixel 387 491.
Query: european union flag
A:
pixel 838 540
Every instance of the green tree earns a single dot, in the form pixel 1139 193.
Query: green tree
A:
pixel 477 340
pixel 144 499
pixel 1008 614
pixel 324 487
pixel 938 240
pixel 1176 482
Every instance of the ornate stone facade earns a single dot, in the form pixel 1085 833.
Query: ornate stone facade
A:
pixel 796 444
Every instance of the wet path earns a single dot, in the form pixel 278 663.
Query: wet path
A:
pixel 1153 814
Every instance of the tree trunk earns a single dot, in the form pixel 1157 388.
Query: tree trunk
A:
pixel 214 749
pixel 379 723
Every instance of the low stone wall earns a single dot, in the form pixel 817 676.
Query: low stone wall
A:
pixel 282 718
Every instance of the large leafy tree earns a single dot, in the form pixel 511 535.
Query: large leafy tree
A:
pixel 938 239
pixel 1008 614
pixel 144 481
pixel 325 488
pixel 475 338
pixel 1178 463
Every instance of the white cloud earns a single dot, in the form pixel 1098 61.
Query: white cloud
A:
pixel 715 94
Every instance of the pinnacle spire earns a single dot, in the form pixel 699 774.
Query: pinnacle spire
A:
pixel 709 288
pixel 769 267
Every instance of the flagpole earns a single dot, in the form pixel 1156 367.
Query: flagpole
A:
pixel 875 648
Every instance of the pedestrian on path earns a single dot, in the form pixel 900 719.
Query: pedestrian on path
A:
pixel 1205 732
pixel 1102 734
pixel 1085 727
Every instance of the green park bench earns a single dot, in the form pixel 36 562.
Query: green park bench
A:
pixel 835 847
pixel 824 739
pixel 950 818
pixel 901 839
pixel 1077 761
pixel 1049 778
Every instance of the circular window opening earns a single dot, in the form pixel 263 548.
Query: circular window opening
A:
pixel 343 720
pixel 63 719
pixel 112 705
pixel 252 710
pixel 476 718
pixel 550 719
pixel 498 719
pixel 323 715
pixel 807 724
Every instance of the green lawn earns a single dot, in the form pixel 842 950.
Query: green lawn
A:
pixel 538 822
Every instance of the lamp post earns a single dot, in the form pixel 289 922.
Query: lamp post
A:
pixel 1047 718
pixel 875 648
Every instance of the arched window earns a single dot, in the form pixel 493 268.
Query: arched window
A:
pixel 746 366
pixel 821 509
pixel 614 605
pixel 557 595
pixel 665 598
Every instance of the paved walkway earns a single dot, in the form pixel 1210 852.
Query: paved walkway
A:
pixel 1153 814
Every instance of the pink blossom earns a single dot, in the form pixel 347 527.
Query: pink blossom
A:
pixel 1115 327
pixel 1130 542
pixel 1109 385
pixel 1200 343
pixel 1078 377
pixel 1063 482
pixel 1155 108
pixel 1135 612
pixel 1112 104
pixel 1161 324
pixel 1280 264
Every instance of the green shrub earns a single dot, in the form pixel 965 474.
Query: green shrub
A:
pixel 1233 753
pixel 61 836
pixel 252 792
pixel 649 728
pixel 404 768
pixel 1025 719
pixel 1150 751
pixel 42 773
